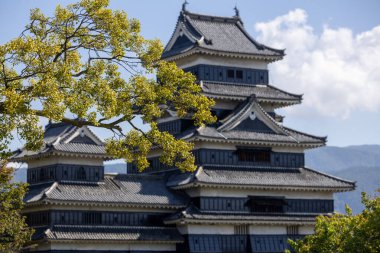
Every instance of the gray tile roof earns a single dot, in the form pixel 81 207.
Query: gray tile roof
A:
pixel 193 213
pixel 130 190
pixel 55 141
pixel 219 34
pixel 296 138
pixel 263 178
pixel 111 233
pixel 240 92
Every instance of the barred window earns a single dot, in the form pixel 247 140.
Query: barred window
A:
pixel 241 230
pixel 292 230
pixel 253 155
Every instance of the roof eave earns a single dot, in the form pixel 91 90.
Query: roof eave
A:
pixel 261 187
pixel 45 201
pixel 200 50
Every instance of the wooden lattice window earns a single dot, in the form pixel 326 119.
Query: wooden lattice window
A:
pixel 241 230
pixel 292 230
pixel 253 155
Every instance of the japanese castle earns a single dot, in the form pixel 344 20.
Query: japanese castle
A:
pixel 251 191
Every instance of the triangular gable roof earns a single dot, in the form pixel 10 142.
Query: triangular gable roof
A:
pixel 63 138
pixel 253 110
pixel 212 34
pixel 230 132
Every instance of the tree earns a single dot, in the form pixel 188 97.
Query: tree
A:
pixel 345 232
pixel 14 232
pixel 91 63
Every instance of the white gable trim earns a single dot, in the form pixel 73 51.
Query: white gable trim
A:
pixel 181 31
pixel 86 132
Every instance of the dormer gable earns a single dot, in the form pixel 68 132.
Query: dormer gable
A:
pixel 251 116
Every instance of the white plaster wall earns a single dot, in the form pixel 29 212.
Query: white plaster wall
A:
pixel 208 229
pixel 65 160
pixel 220 61
pixel 210 192
pixel 267 230
pixel 99 245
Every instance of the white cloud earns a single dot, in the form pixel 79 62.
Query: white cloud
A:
pixel 338 72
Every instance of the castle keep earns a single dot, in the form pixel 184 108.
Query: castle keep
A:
pixel 251 191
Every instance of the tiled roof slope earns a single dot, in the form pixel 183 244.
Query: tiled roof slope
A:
pixel 297 178
pixel 217 34
pixel 193 213
pixel 56 138
pixel 110 233
pixel 239 92
pixel 121 189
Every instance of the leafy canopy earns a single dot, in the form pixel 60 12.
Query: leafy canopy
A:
pixel 75 63
pixel 14 232
pixel 345 233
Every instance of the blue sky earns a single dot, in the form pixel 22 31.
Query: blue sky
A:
pixel 332 50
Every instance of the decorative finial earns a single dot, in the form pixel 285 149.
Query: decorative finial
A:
pixel 184 5
pixel 236 11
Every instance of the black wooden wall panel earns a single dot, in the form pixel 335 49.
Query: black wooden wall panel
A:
pixel 217 243
pixel 229 157
pixel 68 217
pixel 219 73
pixel 59 172
pixel 239 205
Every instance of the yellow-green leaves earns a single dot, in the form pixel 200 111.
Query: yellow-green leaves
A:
pixel 345 233
pixel 13 228
pixel 91 62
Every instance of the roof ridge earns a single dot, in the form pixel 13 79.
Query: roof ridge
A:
pixel 330 176
pixel 259 45
pixel 273 120
pixel 216 18
pixel 241 111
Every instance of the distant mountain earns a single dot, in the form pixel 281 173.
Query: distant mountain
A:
pixel 355 163
pixel 367 180
pixel 328 159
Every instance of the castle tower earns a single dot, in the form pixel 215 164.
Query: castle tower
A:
pixel 74 206
pixel 251 191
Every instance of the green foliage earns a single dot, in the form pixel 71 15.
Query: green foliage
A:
pixel 14 232
pixel 345 232
pixel 91 62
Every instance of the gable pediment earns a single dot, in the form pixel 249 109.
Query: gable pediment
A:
pixel 85 136
pixel 252 117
